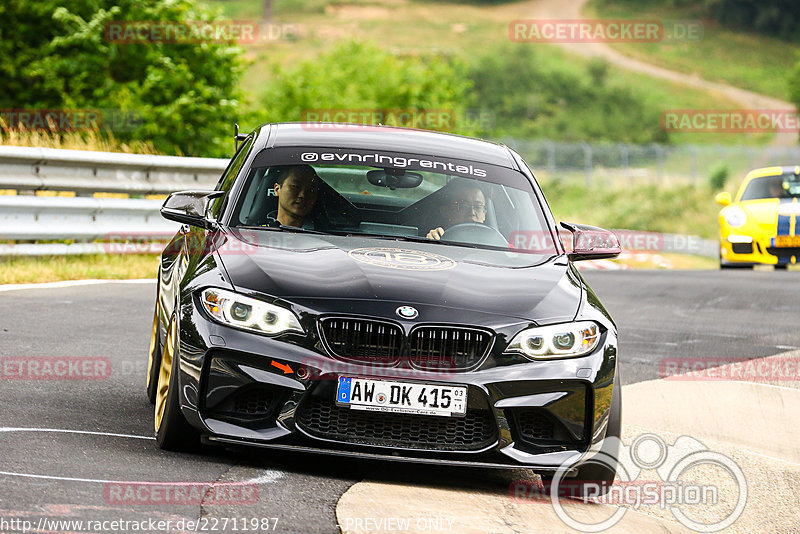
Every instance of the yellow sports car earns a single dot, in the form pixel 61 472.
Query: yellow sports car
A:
pixel 760 226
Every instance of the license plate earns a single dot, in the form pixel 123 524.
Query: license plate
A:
pixel 784 241
pixel 401 397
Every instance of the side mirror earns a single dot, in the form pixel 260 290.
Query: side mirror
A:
pixel 723 199
pixel 191 207
pixel 592 243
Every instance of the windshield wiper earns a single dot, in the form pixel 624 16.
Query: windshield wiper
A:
pixel 283 228
pixel 417 239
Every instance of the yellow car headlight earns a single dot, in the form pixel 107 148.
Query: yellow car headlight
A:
pixel 735 217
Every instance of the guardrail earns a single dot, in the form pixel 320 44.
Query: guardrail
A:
pixel 86 220
pixel 86 172
pixel 29 218
pixel 116 222
pixel 32 218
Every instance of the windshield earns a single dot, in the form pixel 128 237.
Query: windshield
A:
pixel 780 186
pixel 386 195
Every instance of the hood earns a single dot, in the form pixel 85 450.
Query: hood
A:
pixel 762 212
pixel 310 267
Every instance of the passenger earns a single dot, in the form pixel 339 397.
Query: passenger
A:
pixel 463 204
pixel 296 187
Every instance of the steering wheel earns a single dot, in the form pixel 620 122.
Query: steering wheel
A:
pixel 474 233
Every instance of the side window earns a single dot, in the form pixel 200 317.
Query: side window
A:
pixel 227 179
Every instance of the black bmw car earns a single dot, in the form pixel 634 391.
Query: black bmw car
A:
pixel 386 293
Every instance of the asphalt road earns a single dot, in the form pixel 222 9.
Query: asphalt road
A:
pixel 69 445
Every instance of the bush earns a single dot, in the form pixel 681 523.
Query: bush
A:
pixel 358 82
pixel 718 177
pixel 534 96
pixel 54 55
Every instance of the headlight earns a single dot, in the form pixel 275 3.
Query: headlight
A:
pixel 556 341
pixel 735 217
pixel 249 314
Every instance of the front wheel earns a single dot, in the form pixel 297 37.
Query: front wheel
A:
pixel 603 473
pixel 173 432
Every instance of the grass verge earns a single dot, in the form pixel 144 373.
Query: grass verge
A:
pixel 689 210
pixel 751 61
pixel 25 270
pixel 88 140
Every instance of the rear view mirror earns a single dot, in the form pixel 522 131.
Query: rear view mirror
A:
pixel 190 207
pixel 592 243
pixel 394 178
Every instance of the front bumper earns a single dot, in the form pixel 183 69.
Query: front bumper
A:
pixel 235 388
pixel 761 251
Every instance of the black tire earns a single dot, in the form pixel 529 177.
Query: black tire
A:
pixel 154 359
pixel 174 432
pixel 599 474
pixel 604 473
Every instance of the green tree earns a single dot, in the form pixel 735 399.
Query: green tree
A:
pixel 358 80
pixel 56 54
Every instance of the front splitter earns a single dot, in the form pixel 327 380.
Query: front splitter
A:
pixel 217 440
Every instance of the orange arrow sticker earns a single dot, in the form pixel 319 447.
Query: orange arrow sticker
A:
pixel 283 367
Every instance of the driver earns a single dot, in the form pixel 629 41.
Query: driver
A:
pixel 464 203
pixel 296 187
